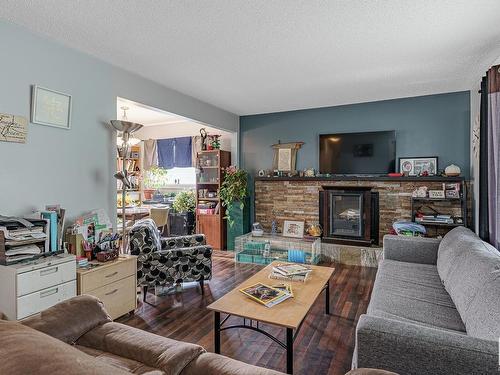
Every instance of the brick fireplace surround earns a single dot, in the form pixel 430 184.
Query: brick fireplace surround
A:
pixel 297 198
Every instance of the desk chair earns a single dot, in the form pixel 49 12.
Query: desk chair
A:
pixel 160 217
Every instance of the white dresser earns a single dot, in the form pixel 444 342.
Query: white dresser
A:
pixel 28 288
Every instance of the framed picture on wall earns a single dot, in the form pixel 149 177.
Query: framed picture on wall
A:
pixel 418 165
pixel 50 107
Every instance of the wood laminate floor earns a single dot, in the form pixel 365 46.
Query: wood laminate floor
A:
pixel 323 346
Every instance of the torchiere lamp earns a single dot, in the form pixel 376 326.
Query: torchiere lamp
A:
pixel 126 128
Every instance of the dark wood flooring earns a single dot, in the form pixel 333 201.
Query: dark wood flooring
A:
pixel 323 346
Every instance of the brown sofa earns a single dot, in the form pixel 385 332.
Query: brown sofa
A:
pixel 78 337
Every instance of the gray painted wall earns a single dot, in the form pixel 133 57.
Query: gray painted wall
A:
pixel 73 167
pixel 433 125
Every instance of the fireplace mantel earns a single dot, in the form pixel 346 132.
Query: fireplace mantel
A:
pixel 366 178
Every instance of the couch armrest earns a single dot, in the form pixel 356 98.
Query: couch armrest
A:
pixel 70 319
pixel 155 351
pixel 215 364
pixel 182 241
pixel 408 348
pixel 411 249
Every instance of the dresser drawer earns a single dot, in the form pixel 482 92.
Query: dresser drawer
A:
pixel 119 297
pixel 32 281
pixel 35 302
pixel 106 275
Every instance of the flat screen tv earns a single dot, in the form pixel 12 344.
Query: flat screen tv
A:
pixel 358 153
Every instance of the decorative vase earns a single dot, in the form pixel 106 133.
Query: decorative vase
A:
pixel 148 193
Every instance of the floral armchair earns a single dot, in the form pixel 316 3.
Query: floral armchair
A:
pixel 168 260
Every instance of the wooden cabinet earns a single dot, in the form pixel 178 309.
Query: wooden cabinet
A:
pixel 209 211
pixel 114 283
pixel 30 287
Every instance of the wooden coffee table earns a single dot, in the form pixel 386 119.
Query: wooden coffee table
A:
pixel 289 314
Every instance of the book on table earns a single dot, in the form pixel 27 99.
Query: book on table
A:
pixel 265 294
pixel 289 269
pixel 298 277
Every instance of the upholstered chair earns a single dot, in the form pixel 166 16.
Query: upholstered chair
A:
pixel 168 260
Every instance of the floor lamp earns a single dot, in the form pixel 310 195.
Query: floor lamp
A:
pixel 126 128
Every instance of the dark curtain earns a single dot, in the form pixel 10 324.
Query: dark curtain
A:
pixel 483 163
pixel 174 152
pixel 489 158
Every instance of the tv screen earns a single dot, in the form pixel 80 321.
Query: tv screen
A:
pixel 358 153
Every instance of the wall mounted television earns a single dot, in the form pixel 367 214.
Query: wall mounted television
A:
pixel 371 153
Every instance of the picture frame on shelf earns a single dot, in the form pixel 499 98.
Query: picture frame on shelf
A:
pixel 293 228
pixel 50 107
pixel 415 166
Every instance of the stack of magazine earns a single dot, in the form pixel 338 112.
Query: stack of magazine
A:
pixel 268 295
pixel 290 272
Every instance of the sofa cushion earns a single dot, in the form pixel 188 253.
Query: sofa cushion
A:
pixel 169 356
pixel 215 364
pixel 470 270
pixel 79 314
pixel 125 364
pixel 26 351
pixel 413 292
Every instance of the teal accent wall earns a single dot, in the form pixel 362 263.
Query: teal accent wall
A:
pixel 73 167
pixel 433 125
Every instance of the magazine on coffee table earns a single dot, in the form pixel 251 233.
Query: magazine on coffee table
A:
pixel 289 269
pixel 265 295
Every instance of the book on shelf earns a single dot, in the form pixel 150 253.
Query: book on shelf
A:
pixel 265 294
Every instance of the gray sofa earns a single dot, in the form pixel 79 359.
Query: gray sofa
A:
pixel 435 307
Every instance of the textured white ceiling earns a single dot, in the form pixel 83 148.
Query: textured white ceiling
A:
pixel 264 56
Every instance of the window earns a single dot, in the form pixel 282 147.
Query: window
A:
pixel 181 176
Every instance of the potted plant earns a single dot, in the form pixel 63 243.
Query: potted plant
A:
pixel 184 205
pixel 154 179
pixel 234 196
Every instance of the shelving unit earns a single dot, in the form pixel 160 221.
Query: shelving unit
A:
pixel 134 171
pixel 213 225
pixel 458 204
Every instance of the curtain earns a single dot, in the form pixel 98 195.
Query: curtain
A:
pixel 174 152
pixel 196 143
pixel 489 158
pixel 150 154
pixel 494 155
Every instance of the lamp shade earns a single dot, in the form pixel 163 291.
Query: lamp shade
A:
pixel 126 126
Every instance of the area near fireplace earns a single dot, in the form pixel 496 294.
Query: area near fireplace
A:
pixel 296 198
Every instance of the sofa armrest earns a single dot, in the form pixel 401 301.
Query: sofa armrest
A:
pixel 70 319
pixel 216 364
pixel 183 241
pixel 167 355
pixel 408 348
pixel 411 249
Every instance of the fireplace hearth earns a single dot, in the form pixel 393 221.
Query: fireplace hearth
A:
pixel 349 215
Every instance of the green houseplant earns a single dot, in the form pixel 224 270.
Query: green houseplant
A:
pixel 154 179
pixel 234 196
pixel 184 205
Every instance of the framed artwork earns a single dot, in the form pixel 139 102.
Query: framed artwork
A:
pixel 285 156
pixel 13 128
pixel 416 166
pixel 293 229
pixel 50 107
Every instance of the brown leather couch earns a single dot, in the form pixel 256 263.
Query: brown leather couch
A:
pixel 78 337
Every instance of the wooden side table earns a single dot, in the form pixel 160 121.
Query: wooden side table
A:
pixel 114 283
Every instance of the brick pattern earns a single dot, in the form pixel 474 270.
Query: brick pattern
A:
pixel 299 200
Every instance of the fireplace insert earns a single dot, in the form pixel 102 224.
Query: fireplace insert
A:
pixel 349 215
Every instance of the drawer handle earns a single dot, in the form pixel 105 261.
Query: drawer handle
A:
pixel 112 274
pixel 47 293
pixel 48 271
pixel 112 292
